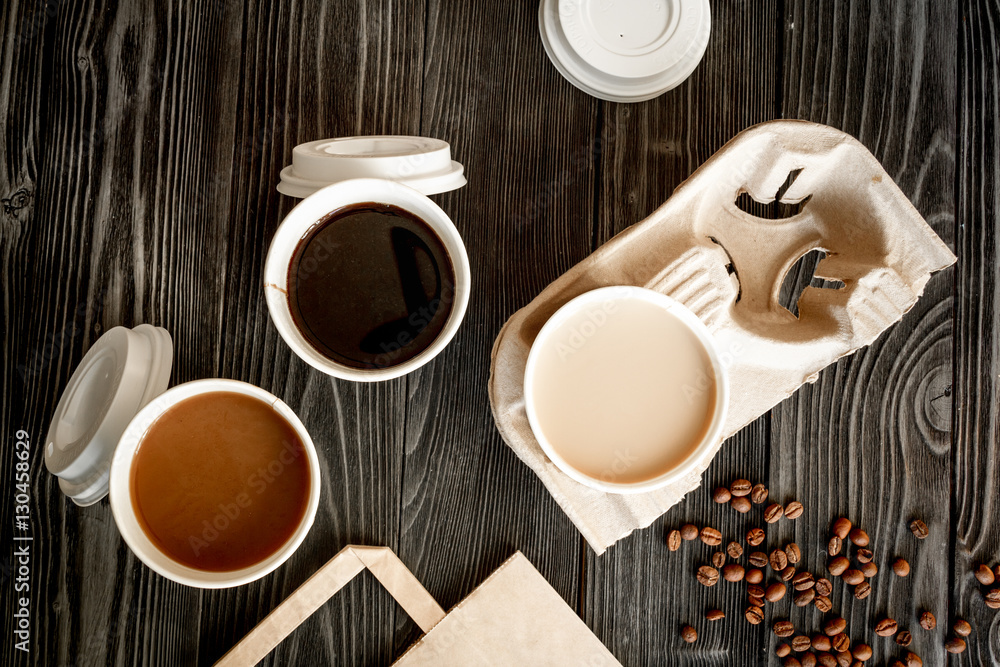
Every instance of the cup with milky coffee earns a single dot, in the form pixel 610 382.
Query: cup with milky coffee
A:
pixel 625 390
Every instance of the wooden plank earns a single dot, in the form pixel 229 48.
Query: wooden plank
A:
pixel 976 455
pixel 871 439
pixel 638 594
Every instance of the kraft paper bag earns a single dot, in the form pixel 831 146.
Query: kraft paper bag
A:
pixel 514 618
pixel 727 266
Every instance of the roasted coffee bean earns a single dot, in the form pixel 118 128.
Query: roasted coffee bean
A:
pixel 996 571
pixel 740 487
pixel 689 532
pixel 782 650
pixel 840 642
pixel 954 645
pixel 804 598
pixel 787 574
pixel 985 575
pixel 754 614
pixel 823 586
pixel 793 510
pixel 674 540
pixel 775 592
pixel 793 553
pixel 864 555
pixel 783 628
pixel 962 628
pixel 992 598
pixel 823 603
pixel 853 577
pixel 758 494
pixel 754 576
pixel 927 621
pixel 859 537
pixel 718 559
pixel 734 550
pixel 755 591
pixel 901 567
pixel 733 572
pixel 808 660
pixel 801 643
pixel 841 528
pixel 918 528
pixel 862 590
pixel 904 638
pixel 834 626
pixel 913 660
pixel 689 634
pixel 708 576
pixel 711 536
pixel 826 660
pixel 791 661
pixel 778 560
pixel 886 627
pixel 844 659
pixel 861 652
pixel 838 566
pixel 758 559
pixel 821 643
pixel 896 662
pixel 755 536
pixel 773 512
pixel 715 615
pixel 869 569
pixel 741 505
pixel 803 581
pixel 722 495
pixel 757 601
pixel 834 546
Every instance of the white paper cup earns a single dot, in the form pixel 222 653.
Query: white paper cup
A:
pixel 124 511
pixel 314 208
pixel 700 454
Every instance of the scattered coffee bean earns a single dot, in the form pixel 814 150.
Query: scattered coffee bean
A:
pixel 886 627
pixel 733 572
pixel 896 662
pixel 741 505
pixel 715 615
pixel 869 569
pixel 722 495
pixel 804 598
pixel 707 576
pixel 778 560
pixel 783 628
pixel 758 559
pixel 821 643
pixel 718 559
pixel 992 598
pixel 774 592
pixel 864 555
pixel 841 642
pixel 793 510
pixel 823 586
pixel 841 528
pixel 740 487
pixel 823 603
pixel 791 661
pixel 823 659
pixel 838 566
pixel 859 537
pixel 758 494
pixel 862 590
pixel 782 650
pixel 689 634
pixel 773 512
pixel 674 540
pixel 904 638
pixel 861 652
pixel 834 626
pixel 734 550
pixel 844 659
pixel 853 577
pixel 754 614
pixel 801 643
pixel 985 575
pixel 927 621
pixel 901 567
pixel 689 532
pixel 755 536
pixel 834 546
pixel 913 660
pixel 918 528
pixel 954 645
pixel 803 581
pixel 787 574
pixel 756 601
pixel 996 571
pixel 793 553
pixel 754 576
pixel 755 591
pixel 711 536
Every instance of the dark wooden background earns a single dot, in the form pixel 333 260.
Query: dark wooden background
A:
pixel 140 146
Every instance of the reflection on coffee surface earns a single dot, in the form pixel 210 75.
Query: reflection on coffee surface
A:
pixel 624 391
pixel 370 286
pixel 220 481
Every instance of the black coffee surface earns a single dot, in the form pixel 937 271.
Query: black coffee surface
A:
pixel 370 286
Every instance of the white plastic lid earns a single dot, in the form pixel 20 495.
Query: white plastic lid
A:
pixel 422 163
pixel 119 375
pixel 625 50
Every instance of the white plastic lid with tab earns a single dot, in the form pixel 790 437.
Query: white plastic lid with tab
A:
pixel 119 375
pixel 421 163
pixel 625 50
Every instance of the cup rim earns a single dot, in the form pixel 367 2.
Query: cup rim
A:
pixel 120 494
pixel 713 435
pixel 308 213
